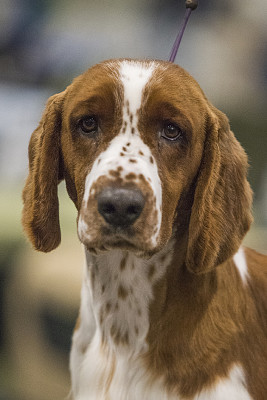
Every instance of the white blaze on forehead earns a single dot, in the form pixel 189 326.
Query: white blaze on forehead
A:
pixel 137 157
pixel 134 77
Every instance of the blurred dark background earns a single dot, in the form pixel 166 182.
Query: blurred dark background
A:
pixel 44 44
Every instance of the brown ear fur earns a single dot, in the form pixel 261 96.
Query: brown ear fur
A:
pixel 40 216
pixel 221 213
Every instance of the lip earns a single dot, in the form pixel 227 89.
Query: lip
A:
pixel 119 243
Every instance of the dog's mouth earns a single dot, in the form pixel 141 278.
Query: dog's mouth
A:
pixel 123 239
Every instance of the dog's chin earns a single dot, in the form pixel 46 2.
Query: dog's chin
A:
pixel 104 246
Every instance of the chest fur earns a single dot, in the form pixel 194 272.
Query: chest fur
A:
pixel 106 375
pixel 110 345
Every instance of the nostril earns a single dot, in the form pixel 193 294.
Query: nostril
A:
pixel 134 210
pixel 108 208
pixel 120 206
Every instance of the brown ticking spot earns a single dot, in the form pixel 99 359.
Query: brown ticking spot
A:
pixel 131 118
pixel 83 349
pixel 119 169
pixel 124 129
pixel 151 271
pixel 128 144
pixel 101 316
pixel 125 338
pixel 151 160
pixel 122 154
pixel 128 107
pixel 133 130
pixel 108 307
pixel 131 176
pixel 124 148
pixel 117 337
pixel 132 160
pixel 141 153
pixel 99 160
pixel 113 330
pixel 141 177
pixel 103 288
pixel 122 292
pixel 123 263
pixel 114 173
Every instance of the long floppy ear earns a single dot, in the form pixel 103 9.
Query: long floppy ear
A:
pixel 221 211
pixel 40 216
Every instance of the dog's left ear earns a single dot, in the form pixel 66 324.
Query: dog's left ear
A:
pixel 40 216
pixel 221 211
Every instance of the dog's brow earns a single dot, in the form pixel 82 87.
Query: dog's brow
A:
pixel 88 102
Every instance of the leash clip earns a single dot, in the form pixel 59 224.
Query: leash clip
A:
pixel 190 6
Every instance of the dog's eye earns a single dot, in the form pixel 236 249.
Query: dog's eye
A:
pixel 88 124
pixel 171 132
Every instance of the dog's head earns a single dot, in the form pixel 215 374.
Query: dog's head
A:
pixel 142 151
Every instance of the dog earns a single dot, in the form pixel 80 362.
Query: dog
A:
pixel 172 305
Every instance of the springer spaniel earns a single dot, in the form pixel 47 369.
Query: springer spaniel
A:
pixel 172 306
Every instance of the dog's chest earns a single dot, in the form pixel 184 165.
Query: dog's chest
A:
pixel 111 375
pixel 110 364
pixel 106 375
pixel 121 290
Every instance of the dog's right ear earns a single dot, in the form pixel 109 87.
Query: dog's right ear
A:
pixel 40 216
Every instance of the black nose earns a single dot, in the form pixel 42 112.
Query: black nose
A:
pixel 120 207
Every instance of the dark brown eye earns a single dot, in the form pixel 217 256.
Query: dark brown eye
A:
pixel 88 124
pixel 171 132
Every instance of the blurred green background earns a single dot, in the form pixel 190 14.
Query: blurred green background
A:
pixel 43 45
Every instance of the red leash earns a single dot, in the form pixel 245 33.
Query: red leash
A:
pixel 190 6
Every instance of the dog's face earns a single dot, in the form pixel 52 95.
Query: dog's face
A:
pixel 139 146
pixel 132 141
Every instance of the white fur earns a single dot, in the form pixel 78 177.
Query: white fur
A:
pixel 231 388
pixel 241 264
pixel 92 362
pixel 134 77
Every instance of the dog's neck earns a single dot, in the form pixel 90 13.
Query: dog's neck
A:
pixel 122 290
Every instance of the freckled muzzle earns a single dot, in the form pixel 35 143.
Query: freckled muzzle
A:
pixel 119 213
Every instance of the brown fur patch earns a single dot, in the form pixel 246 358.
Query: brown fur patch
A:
pixel 122 292
pixel 116 174
pixel 131 176
pixel 123 262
